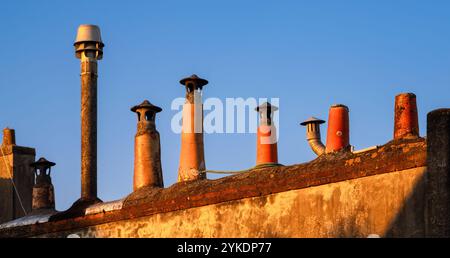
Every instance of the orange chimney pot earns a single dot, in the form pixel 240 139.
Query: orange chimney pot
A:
pixel 9 137
pixel 406 122
pixel 338 129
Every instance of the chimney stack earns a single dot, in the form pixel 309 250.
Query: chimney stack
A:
pixel 192 156
pixel 43 192
pixel 16 178
pixel 266 143
pixel 147 148
pixel 406 122
pixel 89 48
pixel 9 137
pixel 338 129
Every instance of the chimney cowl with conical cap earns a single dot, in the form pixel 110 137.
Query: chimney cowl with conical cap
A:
pixel 196 81
pixel 266 140
pixel 266 110
pixel 313 134
pixel 146 105
pixel 147 148
pixel 43 191
pixel 192 156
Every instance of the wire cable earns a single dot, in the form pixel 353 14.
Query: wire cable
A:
pixel 265 165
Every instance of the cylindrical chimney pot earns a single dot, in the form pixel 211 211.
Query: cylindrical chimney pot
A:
pixel 9 137
pixel 338 136
pixel 147 148
pixel 406 122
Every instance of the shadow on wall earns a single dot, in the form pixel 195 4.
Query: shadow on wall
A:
pixel 5 202
pixel 10 206
pixel 410 221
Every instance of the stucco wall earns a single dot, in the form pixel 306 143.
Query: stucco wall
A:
pixel 390 204
pixel 15 163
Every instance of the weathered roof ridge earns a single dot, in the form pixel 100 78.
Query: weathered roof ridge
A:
pixel 393 156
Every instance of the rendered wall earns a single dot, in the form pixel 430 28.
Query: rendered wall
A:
pixel 390 204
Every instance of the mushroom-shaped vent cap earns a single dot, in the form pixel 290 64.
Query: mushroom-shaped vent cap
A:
pixel 42 163
pixel 88 33
pixel 265 106
pixel 312 120
pixel 194 78
pixel 146 105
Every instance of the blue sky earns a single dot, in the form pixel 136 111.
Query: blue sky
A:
pixel 309 54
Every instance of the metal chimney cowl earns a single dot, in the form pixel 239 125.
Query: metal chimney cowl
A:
pixel 89 42
pixel 43 191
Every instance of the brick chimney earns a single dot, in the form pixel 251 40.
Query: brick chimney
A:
pixel 406 121
pixel 43 192
pixel 89 49
pixel 266 140
pixel 16 178
pixel 147 148
pixel 338 135
pixel 192 156
pixel 9 137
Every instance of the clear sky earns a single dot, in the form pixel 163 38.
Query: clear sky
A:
pixel 309 54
